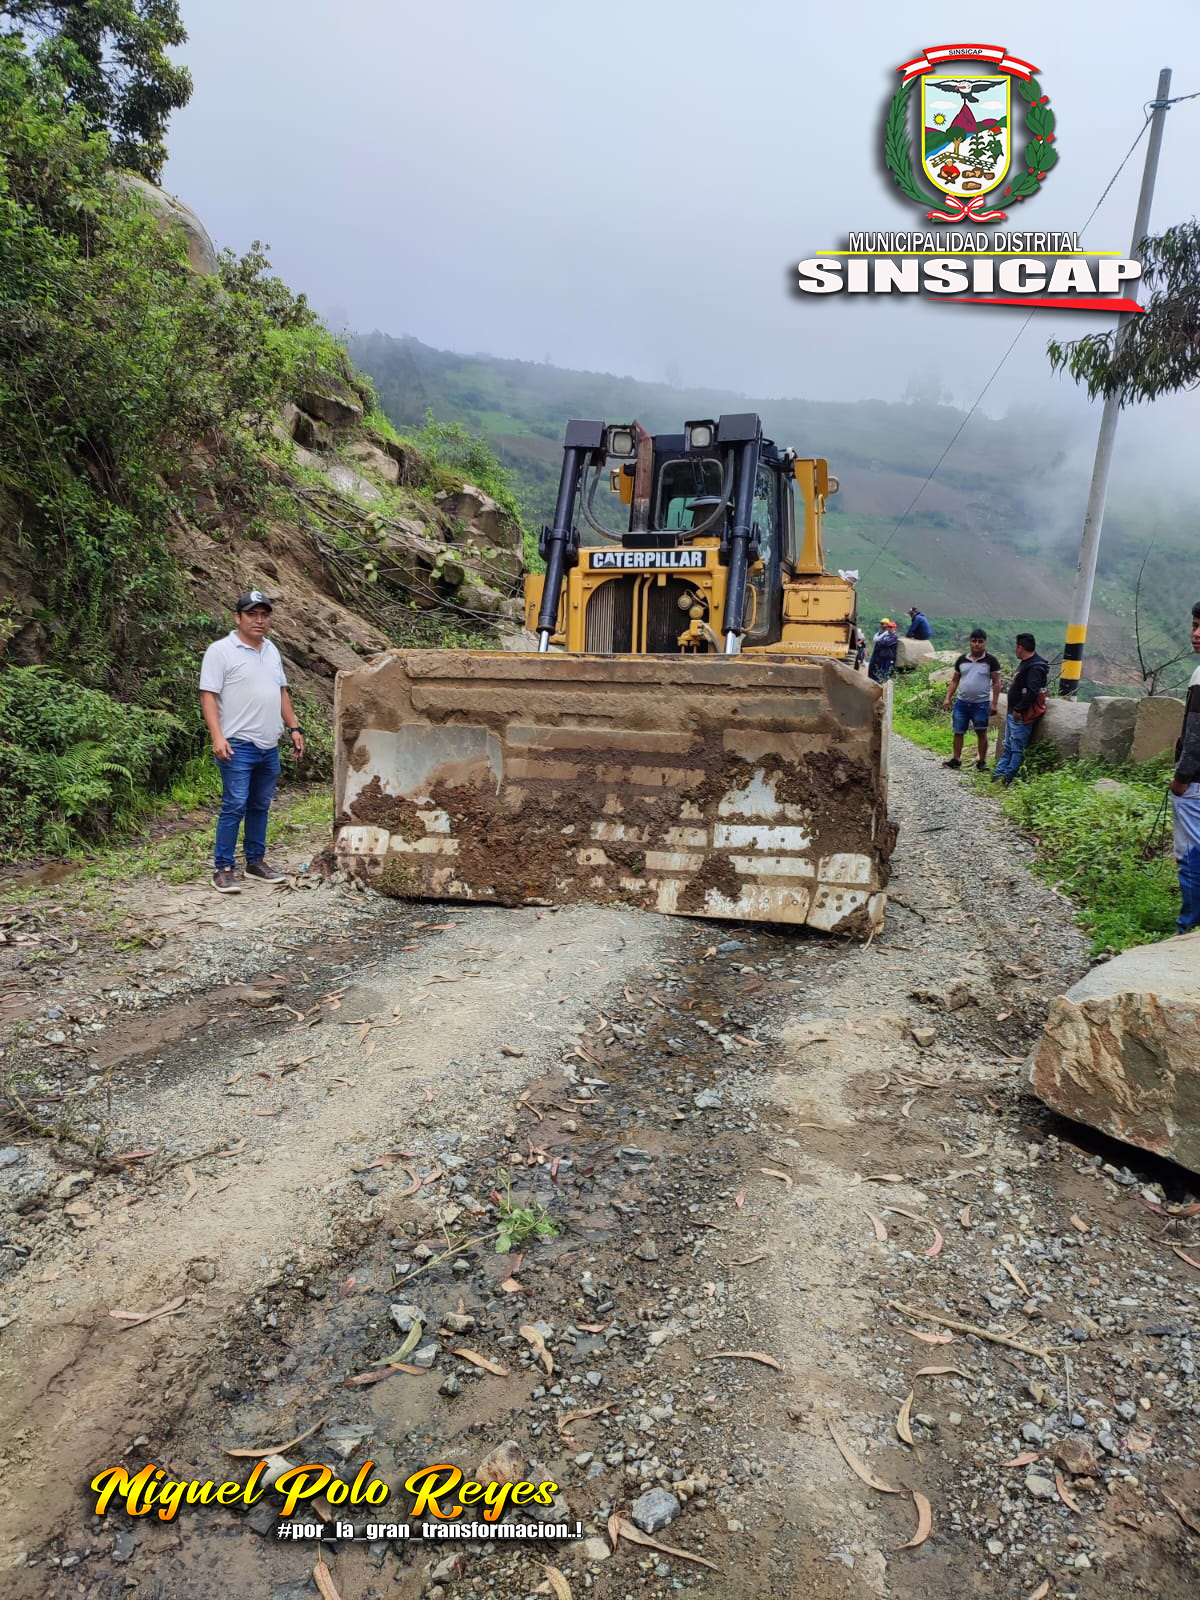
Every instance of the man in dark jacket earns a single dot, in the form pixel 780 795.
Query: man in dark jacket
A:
pixel 1025 690
pixel 919 627
pixel 1185 797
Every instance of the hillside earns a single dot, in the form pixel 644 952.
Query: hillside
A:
pixel 181 427
pixel 994 537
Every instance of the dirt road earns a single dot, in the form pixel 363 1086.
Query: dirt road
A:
pixel 817 1153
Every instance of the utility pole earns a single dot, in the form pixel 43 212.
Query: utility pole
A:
pixel 1093 522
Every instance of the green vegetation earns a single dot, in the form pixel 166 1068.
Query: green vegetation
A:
pixel 75 763
pixel 110 56
pixel 1157 352
pixel 519 1225
pixel 1109 849
pixel 124 377
pixel 917 711
pixel 138 398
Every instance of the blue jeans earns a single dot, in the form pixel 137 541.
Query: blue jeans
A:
pixel 247 789
pixel 1186 811
pixel 1016 736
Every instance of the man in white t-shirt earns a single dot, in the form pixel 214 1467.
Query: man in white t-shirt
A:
pixel 1185 797
pixel 246 706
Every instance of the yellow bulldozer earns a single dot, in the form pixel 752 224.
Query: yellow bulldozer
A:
pixel 686 731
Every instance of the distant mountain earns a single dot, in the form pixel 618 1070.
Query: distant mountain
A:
pixel 992 537
pixel 938 138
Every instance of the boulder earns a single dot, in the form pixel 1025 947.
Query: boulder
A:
pixel 332 401
pixel 942 675
pixel 1062 727
pixel 336 656
pixel 1001 726
pixel 351 482
pixel 482 515
pixel 1108 734
pixel 170 214
pixel 914 653
pixel 482 599
pixel 1121 1050
pixel 1156 727
pixel 374 460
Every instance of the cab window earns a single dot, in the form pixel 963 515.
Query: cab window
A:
pixel 682 481
pixel 765 516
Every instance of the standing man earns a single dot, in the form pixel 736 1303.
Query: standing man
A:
pixel 975 691
pixel 246 706
pixel 918 627
pixel 1026 703
pixel 883 651
pixel 1185 797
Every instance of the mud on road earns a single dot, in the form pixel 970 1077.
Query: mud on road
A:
pixel 752 1140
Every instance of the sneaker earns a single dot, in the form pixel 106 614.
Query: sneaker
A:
pixel 953 762
pixel 260 869
pixel 981 766
pixel 224 881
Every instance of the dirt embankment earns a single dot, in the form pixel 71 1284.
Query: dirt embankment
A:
pixel 782 1167
pixel 362 542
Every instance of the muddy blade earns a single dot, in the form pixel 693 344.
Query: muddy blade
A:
pixel 710 786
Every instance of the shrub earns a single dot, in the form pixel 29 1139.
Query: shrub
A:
pixel 74 762
pixel 1108 849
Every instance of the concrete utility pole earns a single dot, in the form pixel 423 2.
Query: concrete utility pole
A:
pixel 1093 522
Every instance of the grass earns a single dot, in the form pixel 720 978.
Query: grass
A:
pixel 1109 850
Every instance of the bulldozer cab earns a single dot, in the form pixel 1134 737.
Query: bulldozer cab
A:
pixel 748 514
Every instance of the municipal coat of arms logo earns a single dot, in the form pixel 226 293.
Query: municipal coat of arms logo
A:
pixel 967 145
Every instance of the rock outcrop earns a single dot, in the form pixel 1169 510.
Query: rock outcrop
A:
pixel 1121 1050
pixel 170 213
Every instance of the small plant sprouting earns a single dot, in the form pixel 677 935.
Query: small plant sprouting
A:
pixel 519 1224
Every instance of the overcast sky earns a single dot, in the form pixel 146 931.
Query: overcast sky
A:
pixel 627 186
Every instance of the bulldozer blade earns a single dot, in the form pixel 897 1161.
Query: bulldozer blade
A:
pixel 748 787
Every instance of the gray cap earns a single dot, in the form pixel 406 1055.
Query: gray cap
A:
pixel 254 597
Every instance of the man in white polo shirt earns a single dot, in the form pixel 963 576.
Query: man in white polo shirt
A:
pixel 246 706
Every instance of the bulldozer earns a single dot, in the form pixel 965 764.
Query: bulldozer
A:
pixel 685 731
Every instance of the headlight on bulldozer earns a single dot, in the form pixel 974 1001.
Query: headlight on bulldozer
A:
pixel 699 435
pixel 619 442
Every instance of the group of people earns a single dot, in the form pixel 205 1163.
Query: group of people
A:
pixel 973 698
pixel 886 644
pixel 973 694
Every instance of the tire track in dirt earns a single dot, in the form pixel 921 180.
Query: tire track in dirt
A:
pixel 81 1385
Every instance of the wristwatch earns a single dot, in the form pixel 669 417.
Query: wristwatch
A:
pixel 296 729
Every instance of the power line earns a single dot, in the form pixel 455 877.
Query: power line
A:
pixel 1000 364
pixel 953 439
pixel 1120 169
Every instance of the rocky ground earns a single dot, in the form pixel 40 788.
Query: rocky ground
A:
pixel 823 1276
